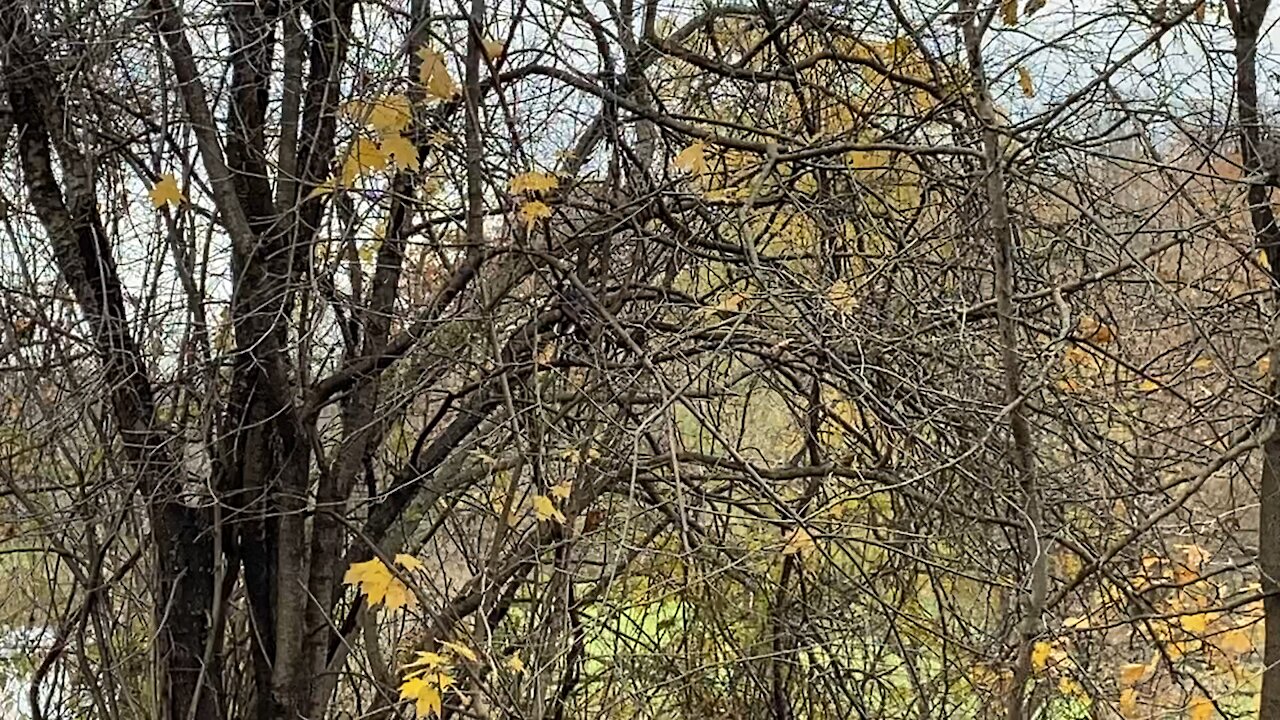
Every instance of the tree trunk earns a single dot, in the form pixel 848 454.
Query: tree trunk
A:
pixel 1246 20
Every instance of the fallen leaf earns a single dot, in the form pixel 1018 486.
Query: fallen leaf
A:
pixel 166 192
pixel 562 490
pixel 1132 673
pixel 840 294
pixel 1040 654
pixel 1235 641
pixel 1094 330
pixel 1129 702
pixel 1200 708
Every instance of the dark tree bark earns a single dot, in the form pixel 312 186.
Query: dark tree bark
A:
pixel 1247 21
pixel 68 211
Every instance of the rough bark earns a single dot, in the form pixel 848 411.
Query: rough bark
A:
pixel 1247 21
pixel 66 205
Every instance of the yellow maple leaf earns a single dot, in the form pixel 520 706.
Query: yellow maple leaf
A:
pixel 515 664
pixel 799 542
pixel 462 651
pixel 1198 623
pixel 166 192
pixel 546 510
pixel 425 692
pixel 1263 366
pixel 434 75
pixel 1132 673
pixel 692 159
pixel 534 182
pixel 400 150
pixel 426 659
pixel 1025 82
pixel 378 584
pixel 387 114
pixel 1235 641
pixel 1041 652
pixel 1200 708
pixel 562 490
pixel 533 211
pixel 493 49
pixel 409 562
pixel 363 157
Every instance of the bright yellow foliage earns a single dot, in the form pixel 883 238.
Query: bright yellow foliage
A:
pixel 546 510
pixel 434 75
pixel 364 157
pixel 379 585
pixel 533 211
pixel 493 49
pixel 400 151
pixel 692 159
pixel 1200 709
pixel 389 114
pixel 533 182
pixel 166 192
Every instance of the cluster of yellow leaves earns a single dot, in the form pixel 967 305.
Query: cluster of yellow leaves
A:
pixel 388 116
pixel 430 674
pixel 380 585
pixel 531 185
